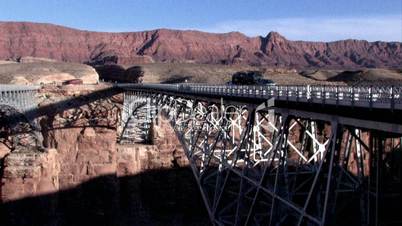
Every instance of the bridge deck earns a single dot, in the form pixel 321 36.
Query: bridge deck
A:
pixel 374 97
pixel 13 88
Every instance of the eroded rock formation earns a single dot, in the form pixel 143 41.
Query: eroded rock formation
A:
pixel 84 177
pixel 31 70
pixel 19 39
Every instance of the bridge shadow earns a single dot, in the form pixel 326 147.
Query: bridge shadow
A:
pixel 76 101
pixel 50 110
pixel 158 197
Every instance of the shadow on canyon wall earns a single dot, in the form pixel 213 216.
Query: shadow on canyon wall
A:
pixel 158 197
pixel 155 197
pixel 11 119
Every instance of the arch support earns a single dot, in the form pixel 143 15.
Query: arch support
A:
pixel 261 165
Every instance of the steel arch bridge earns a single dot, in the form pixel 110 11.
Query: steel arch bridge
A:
pixel 287 155
pixel 276 155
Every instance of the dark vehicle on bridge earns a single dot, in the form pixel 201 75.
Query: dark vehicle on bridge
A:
pixel 73 82
pixel 249 78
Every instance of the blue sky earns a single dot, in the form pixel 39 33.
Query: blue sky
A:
pixel 324 20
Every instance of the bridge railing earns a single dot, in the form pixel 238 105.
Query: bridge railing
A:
pixel 384 97
pixel 20 97
pixel 10 88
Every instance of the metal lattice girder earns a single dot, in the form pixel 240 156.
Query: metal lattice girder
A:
pixel 381 97
pixel 137 116
pixel 299 161
pixel 266 166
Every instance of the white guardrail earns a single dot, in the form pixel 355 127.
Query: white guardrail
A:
pixel 382 97
pixel 13 88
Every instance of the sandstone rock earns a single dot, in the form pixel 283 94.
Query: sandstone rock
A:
pixel 111 72
pixel 103 57
pixel 4 150
pixel 29 173
pixel 88 177
pixel 86 138
pixel 46 72
pixel 20 80
pixel 29 59
pixel 117 73
pixel 128 161
pixel 369 77
pixel 89 132
pixel 59 77
pixel 7 62
pixel 134 74
pixel 163 45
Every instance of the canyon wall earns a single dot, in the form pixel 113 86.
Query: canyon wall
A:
pixel 20 39
pixel 83 177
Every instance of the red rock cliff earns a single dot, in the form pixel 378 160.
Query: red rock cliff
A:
pixel 61 43
pixel 85 178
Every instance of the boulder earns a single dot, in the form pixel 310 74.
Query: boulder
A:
pixel 44 72
pixel 29 59
pixel 117 73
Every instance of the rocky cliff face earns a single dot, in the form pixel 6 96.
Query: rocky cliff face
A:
pixel 85 178
pixel 44 71
pixel 65 44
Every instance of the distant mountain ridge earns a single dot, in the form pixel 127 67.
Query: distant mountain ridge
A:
pixel 20 39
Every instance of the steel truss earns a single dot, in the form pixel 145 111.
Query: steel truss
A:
pixel 255 166
pixel 136 119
